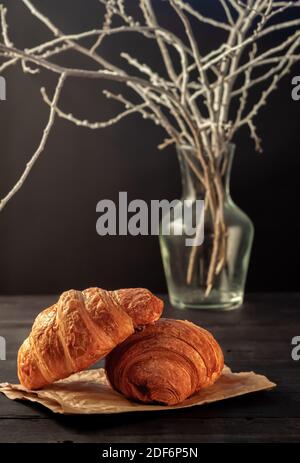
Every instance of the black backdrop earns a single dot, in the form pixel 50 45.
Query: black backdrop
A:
pixel 48 239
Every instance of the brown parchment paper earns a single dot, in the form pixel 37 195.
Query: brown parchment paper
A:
pixel 89 392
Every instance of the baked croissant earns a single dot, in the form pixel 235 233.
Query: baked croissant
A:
pixel 80 329
pixel 165 362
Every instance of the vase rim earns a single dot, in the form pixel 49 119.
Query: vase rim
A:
pixel 189 147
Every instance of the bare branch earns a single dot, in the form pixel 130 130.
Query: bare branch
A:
pixel 227 12
pixel 151 20
pixel 106 26
pixel 250 40
pixel 280 62
pixel 154 78
pixel 248 120
pixel 41 146
pixel 82 73
pixel 128 104
pixel 96 125
pixel 204 19
pixel 4 26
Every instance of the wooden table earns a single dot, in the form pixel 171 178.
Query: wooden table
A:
pixel 256 337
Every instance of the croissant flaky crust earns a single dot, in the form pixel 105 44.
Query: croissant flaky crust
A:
pixel 165 362
pixel 80 329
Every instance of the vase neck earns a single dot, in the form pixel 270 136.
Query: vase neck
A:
pixel 192 187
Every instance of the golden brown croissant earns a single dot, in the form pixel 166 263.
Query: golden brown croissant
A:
pixel 165 362
pixel 80 330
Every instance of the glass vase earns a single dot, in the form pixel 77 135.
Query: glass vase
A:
pixel 188 269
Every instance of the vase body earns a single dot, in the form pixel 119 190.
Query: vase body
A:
pixel 187 267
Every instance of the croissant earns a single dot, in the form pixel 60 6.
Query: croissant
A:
pixel 80 329
pixel 165 362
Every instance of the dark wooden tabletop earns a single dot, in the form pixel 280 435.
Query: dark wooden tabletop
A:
pixel 256 337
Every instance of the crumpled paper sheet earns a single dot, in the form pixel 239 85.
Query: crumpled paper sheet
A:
pixel 89 392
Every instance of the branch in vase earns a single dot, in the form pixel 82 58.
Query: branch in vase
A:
pixel 192 97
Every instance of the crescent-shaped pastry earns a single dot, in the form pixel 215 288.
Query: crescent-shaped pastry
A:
pixel 165 362
pixel 80 329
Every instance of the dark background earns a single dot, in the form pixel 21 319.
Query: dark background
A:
pixel 48 239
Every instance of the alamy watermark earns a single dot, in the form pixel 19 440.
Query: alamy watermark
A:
pixel 296 348
pixel 135 218
pixel 2 88
pixel 296 88
pixel 2 348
